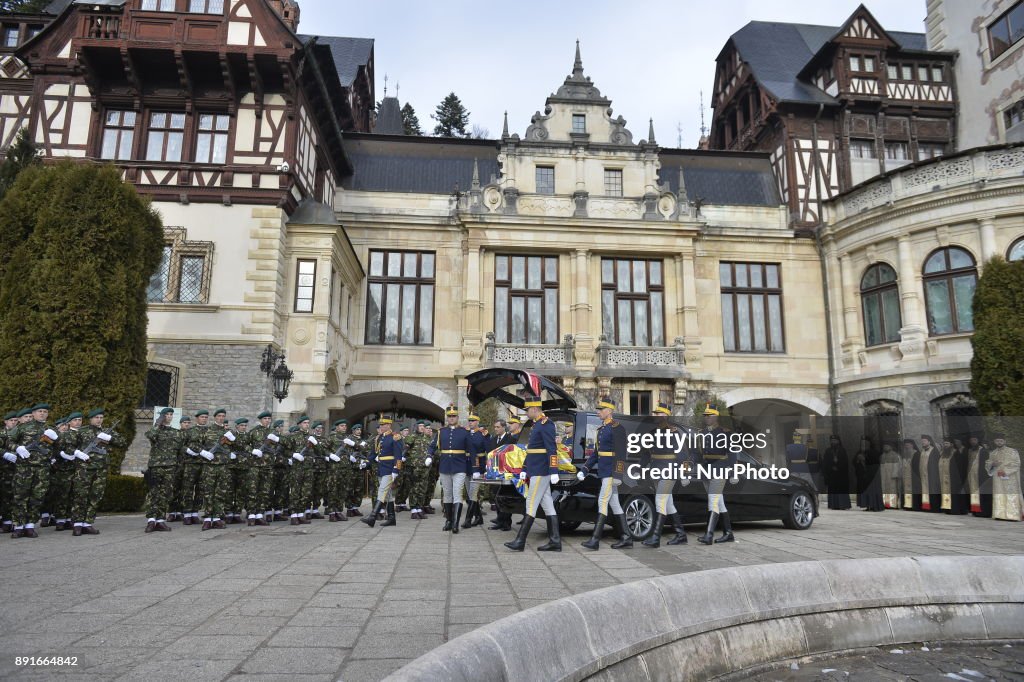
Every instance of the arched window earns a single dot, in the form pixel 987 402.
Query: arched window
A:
pixel 949 281
pixel 1016 251
pixel 880 302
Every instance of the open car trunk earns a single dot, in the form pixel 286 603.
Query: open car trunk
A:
pixel 514 387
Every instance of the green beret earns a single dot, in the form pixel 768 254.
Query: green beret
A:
pixel 166 410
pixel 339 422
pixel 241 420
pixel 22 413
pixel 184 419
pixel 64 420
pixel 203 413
pixel 220 410
pixel 74 415
pixel 421 422
pixel 278 422
pixel 357 426
pixel 10 415
pixel 41 406
pixel 301 419
pixel 264 414
pixel 95 413
pixel 293 429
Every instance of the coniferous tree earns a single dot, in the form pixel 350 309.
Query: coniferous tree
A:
pixel 20 155
pixel 23 6
pixel 410 122
pixel 452 117
pixel 73 290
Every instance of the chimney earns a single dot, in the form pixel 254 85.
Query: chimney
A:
pixel 289 11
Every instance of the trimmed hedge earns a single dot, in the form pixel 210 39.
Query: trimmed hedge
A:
pixel 124 494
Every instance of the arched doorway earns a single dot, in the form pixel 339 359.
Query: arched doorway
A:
pixel 777 419
pixel 366 409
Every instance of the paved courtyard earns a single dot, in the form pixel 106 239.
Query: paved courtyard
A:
pixel 332 601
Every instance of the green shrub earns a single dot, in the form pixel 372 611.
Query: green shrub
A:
pixel 123 494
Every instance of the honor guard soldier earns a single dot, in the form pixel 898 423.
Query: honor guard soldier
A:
pixel 32 442
pixel 664 503
pixel 7 471
pixel 70 440
pixel 477 451
pixel 215 449
pixel 339 471
pixel 192 469
pixel 178 494
pixel 165 443
pixel 318 482
pixel 237 471
pixel 610 459
pixel 418 469
pixel 93 469
pixel 388 457
pixel 300 489
pixel 279 477
pixel 718 459
pixel 541 467
pixel 260 446
pixel 357 456
pixel 452 450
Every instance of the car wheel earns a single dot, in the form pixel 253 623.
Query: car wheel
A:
pixel 799 513
pixel 639 514
pixel 567 526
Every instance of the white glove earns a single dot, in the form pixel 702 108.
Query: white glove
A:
pixel 51 434
pixel 81 455
pixel 53 461
pixel 580 475
pixel 257 452
pixel 352 458
pixel 272 437
pixel 234 456
pixel 334 458
pixel 105 437
pixel 10 457
pixel 362 465
pixel 192 452
pixel 207 455
pixel 311 440
pixel 290 462
pixel 428 461
pixel 476 475
pixel 522 475
pixel 362 443
pixel 230 436
pixel 66 457
pixel 349 442
pixel 554 478
pixel 734 481
pixel 23 452
pixel 298 457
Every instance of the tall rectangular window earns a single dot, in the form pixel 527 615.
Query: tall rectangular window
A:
pixel 640 403
pixel 118 135
pixel 10 36
pixel 929 150
pixel 166 136
pixel 526 299
pixel 633 302
pixel 1006 30
pixel 183 275
pixel 897 151
pixel 159 5
pixel 157 292
pixel 206 6
pixel 579 123
pixel 613 182
pixel 862 149
pixel 751 307
pixel 212 138
pixel 305 284
pixel 545 180
pixel 400 298
pixel 1014 115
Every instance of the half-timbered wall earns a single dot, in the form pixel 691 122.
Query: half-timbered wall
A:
pixel 62 119
pixel 242 27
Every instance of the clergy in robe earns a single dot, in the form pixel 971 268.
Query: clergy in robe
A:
pixel 892 473
pixel 979 483
pixel 911 475
pixel 869 478
pixel 951 477
pixel 835 465
pixel 931 490
pixel 1004 468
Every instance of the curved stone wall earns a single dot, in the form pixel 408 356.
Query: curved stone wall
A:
pixel 710 623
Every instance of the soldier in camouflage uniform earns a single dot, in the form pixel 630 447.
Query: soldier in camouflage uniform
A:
pixel 417 469
pixel 177 489
pixel 65 469
pixel 318 481
pixel 215 443
pixel 238 472
pixel 58 476
pixel 192 469
pixel 403 486
pixel 300 484
pixel 7 465
pixel 279 473
pixel 435 472
pixel 339 470
pixel 91 471
pixel 165 444
pixel 358 480
pixel 32 442
pixel 259 448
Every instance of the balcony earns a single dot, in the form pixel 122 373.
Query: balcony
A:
pixel 656 362
pixel 101 26
pixel 550 359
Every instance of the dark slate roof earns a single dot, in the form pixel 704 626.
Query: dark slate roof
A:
pixel 389 118
pixel 57 6
pixel 349 54
pixel 777 52
pixel 422 165
pixel 312 212
pixel 724 178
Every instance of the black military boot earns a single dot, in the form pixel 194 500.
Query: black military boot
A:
pixel 446 507
pixel 625 537
pixel 554 543
pixel 391 516
pixel 478 517
pixel 457 510
pixel 371 519
pixel 595 540
pixel 655 539
pixel 470 511
pixel 727 535
pixel 519 544
pixel 709 537
pixel 680 538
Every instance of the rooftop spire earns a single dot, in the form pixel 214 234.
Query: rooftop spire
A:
pixel 650 132
pixel 476 175
pixel 577 66
pixel 504 126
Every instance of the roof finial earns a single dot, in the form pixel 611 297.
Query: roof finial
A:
pixel 476 175
pixel 396 88
pixel 385 85
pixel 703 128
pixel 504 126
pixel 577 66
pixel 650 132
pixel 683 198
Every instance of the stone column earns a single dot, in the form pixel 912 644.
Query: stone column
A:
pixel 688 307
pixel 851 342
pixel 581 308
pixel 987 226
pixel 913 333
pixel 472 334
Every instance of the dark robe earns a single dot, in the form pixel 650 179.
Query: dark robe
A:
pixel 933 496
pixel 835 466
pixel 870 474
pixel 915 481
pixel 961 502
pixel 984 509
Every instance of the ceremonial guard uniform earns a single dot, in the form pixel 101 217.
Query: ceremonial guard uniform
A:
pixel 339 471
pixel 165 444
pixel 178 492
pixel 238 471
pixel 32 442
pixel 452 451
pixel 541 467
pixel 300 488
pixel 65 468
pixel 418 469
pixel 260 448
pixel 215 449
pixel 92 471
pixel 477 449
pixel 610 459
pixel 664 502
pixel 279 474
pixel 7 465
pixel 357 457
pixel 403 486
pixel 318 472
pixel 388 457
pixel 718 459
pixel 192 469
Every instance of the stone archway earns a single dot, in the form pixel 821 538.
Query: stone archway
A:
pixel 777 396
pixel 415 400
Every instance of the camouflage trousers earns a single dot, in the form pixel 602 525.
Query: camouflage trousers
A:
pixel 6 489
pixel 317 487
pixel 58 498
pixel 402 488
pixel 87 489
pixel 161 490
pixel 235 498
pixel 419 496
pixel 177 481
pixel 190 496
pixel 215 485
pixel 31 481
pixel 279 488
pixel 258 482
pixel 300 487
pixel 365 484
pixel 339 484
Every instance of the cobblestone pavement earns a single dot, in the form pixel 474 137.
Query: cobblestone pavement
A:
pixel 910 664
pixel 342 601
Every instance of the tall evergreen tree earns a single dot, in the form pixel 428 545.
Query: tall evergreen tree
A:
pixel 997 367
pixel 452 117
pixel 23 6
pixel 20 155
pixel 410 122
pixel 73 290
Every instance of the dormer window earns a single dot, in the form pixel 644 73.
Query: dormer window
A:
pixel 862 63
pixel 579 123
